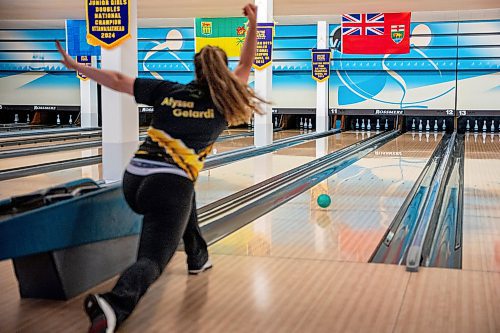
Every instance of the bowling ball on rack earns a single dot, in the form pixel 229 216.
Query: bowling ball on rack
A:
pixel 324 200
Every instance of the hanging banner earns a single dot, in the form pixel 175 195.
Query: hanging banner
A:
pixel 228 33
pixel 264 51
pixel 87 61
pixel 108 22
pixel 321 64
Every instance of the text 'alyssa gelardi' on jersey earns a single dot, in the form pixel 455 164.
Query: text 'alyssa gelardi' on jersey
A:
pixel 184 109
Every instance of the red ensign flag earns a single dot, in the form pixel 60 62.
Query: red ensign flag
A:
pixel 376 33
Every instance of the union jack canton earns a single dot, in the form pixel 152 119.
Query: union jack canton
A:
pixel 363 24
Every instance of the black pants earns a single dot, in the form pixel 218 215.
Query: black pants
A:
pixel 169 207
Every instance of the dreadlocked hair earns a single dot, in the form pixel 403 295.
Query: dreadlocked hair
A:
pixel 234 99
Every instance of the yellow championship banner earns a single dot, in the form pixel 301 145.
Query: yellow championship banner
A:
pixel 227 33
pixel 108 22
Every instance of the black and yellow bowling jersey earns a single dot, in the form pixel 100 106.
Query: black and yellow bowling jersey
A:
pixel 185 123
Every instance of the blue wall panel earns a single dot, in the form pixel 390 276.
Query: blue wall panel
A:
pixel 444 57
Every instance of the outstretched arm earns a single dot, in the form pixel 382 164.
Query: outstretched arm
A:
pixel 111 79
pixel 242 71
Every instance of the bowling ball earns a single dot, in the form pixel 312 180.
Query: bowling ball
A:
pixel 324 200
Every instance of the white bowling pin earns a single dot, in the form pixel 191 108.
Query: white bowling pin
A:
pixel 420 126
pixel 58 121
pixel 484 126
pixel 492 128
pixel 386 124
pixel 363 124
pixel 357 123
pixel 275 121
pixel 427 126
pixel 310 124
pixel 70 119
pixel 301 123
pixel 467 127
pixel 413 126
pixel 16 118
pixel 369 126
pixel 436 125
pixel 476 127
pixel 444 125
pixel 377 127
pixel 28 118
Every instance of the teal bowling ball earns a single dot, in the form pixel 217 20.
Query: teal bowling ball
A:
pixel 324 200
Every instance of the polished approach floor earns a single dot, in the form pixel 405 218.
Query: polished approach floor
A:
pixel 301 268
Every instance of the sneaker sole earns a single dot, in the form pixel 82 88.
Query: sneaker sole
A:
pixel 106 310
pixel 205 267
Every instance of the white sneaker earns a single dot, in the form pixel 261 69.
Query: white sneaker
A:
pixel 194 270
pixel 101 315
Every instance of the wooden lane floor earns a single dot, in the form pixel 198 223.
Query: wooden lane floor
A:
pixel 365 198
pixel 29 184
pixel 271 294
pixel 23 161
pixel 220 182
pixel 24 185
pixel 247 141
pixel 54 142
pixel 481 222
pixel 60 139
pixel 263 285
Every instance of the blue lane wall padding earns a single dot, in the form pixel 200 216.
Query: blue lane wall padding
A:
pixel 93 217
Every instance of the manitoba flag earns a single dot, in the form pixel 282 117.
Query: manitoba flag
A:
pixel 376 33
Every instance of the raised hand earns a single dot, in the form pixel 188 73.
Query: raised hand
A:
pixel 250 11
pixel 67 60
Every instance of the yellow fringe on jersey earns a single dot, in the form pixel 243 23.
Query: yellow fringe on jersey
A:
pixel 185 157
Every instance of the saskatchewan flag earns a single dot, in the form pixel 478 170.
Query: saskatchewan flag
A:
pixel 227 33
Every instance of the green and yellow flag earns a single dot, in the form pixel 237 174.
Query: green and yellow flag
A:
pixel 228 33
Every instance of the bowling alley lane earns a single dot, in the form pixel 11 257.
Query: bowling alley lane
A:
pixel 365 198
pixel 24 161
pixel 226 145
pixel 24 185
pixel 247 141
pixel 57 138
pixel 481 221
pixel 220 182
pixel 54 142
